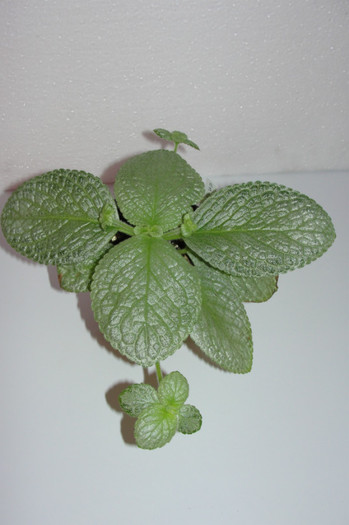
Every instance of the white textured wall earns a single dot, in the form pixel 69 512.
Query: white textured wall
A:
pixel 261 85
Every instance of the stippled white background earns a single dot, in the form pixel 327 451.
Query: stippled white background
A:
pixel 260 85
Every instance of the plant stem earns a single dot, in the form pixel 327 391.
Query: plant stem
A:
pixel 158 372
pixel 173 235
pixel 176 147
pixel 123 227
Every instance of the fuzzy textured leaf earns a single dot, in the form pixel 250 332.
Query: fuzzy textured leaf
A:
pixel 156 188
pixel 54 218
pixel 260 228
pixel 108 219
pixel 136 398
pixel 146 298
pixel 155 427
pixel 254 289
pixel 173 390
pixel 78 277
pixel 190 419
pixel 222 331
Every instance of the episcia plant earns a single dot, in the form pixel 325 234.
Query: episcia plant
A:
pixel 163 261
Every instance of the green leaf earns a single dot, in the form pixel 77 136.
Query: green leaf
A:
pixel 156 188
pixel 173 390
pixel 155 427
pixel 191 143
pixel 222 331
pixel 163 134
pixel 78 277
pixel 54 218
pixel 151 231
pixel 188 226
pixel 108 218
pixel 146 298
pixel 260 228
pixel 254 289
pixel 178 137
pixel 190 419
pixel 136 398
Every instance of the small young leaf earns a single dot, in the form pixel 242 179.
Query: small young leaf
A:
pixel 136 398
pixel 163 134
pixel 188 226
pixel 173 390
pixel 178 137
pixel 151 231
pixel 222 331
pixel 54 218
pixel 260 228
pixel 155 427
pixel 156 188
pixel 190 419
pixel 145 298
pixel 108 218
pixel 78 277
pixel 191 144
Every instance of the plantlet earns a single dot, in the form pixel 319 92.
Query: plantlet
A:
pixel 164 261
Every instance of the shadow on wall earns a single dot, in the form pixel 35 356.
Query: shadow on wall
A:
pixel 86 314
pixel 196 350
pixel 112 397
pixel 109 174
pixel 127 423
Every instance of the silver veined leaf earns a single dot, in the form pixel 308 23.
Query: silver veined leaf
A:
pixel 155 427
pixel 260 228
pixel 254 289
pixel 173 390
pixel 77 277
pixel 157 188
pixel 222 331
pixel 54 218
pixel 145 298
pixel 136 398
pixel 189 419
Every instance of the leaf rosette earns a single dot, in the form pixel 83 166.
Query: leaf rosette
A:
pixel 160 414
